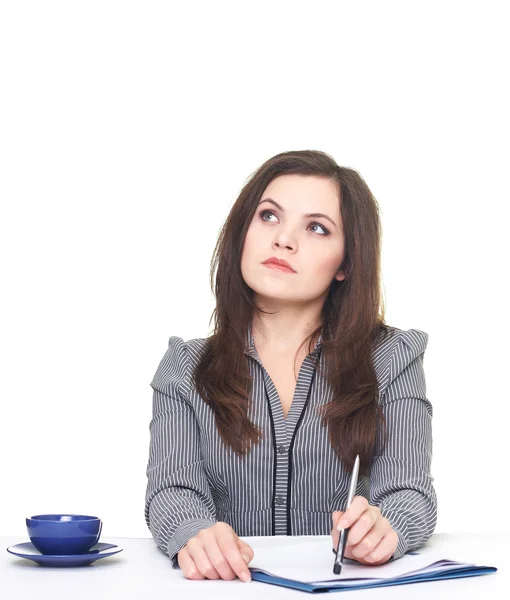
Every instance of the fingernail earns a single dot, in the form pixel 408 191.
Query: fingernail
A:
pixel 341 524
pixel 245 576
pixel 246 558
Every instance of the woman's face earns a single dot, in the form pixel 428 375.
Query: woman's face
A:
pixel 313 246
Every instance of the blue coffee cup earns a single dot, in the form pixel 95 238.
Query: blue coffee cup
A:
pixel 64 533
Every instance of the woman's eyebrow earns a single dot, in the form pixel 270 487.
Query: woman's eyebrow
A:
pixel 307 216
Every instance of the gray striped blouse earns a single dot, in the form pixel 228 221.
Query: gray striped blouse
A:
pixel 292 481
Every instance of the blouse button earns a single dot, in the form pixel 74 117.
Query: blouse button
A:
pixel 281 449
pixel 280 500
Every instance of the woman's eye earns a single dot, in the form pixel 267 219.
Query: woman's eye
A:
pixel 270 212
pixel 266 212
pixel 326 232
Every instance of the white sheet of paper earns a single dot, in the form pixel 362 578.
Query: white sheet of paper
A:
pixel 314 563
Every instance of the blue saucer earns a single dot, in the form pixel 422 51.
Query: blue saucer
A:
pixel 29 551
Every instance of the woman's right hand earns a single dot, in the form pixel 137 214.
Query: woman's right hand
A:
pixel 216 552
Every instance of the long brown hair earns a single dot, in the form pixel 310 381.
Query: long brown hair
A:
pixel 353 316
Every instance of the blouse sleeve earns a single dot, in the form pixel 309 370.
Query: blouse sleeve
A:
pixel 178 500
pixel 400 479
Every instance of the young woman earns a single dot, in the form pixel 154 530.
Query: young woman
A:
pixel 255 429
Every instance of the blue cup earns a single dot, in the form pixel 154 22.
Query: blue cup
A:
pixel 63 533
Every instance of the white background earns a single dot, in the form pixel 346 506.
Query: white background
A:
pixel 127 130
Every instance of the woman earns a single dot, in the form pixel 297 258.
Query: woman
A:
pixel 255 429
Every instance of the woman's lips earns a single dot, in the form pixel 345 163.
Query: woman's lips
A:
pixel 278 267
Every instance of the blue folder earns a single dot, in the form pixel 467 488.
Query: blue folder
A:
pixel 342 585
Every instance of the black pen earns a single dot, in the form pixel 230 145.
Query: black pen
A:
pixel 342 538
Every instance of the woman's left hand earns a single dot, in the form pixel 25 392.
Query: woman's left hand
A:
pixel 371 539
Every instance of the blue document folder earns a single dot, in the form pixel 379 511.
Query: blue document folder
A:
pixel 310 569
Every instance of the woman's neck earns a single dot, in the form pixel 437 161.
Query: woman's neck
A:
pixel 281 337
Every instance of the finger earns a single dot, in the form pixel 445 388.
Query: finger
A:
pixel 198 548
pixel 218 559
pixel 362 526
pixel 385 549
pixel 187 565
pixel 357 507
pixel 229 547
pixel 334 531
pixel 369 541
pixel 336 516
pixel 246 551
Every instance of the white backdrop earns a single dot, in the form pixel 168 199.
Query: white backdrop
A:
pixel 127 130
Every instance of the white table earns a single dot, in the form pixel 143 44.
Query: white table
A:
pixel 142 571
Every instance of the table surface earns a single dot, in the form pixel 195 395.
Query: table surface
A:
pixel 142 571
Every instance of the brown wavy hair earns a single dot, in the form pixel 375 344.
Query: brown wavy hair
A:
pixel 352 315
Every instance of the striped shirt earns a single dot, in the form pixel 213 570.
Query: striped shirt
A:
pixel 292 481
